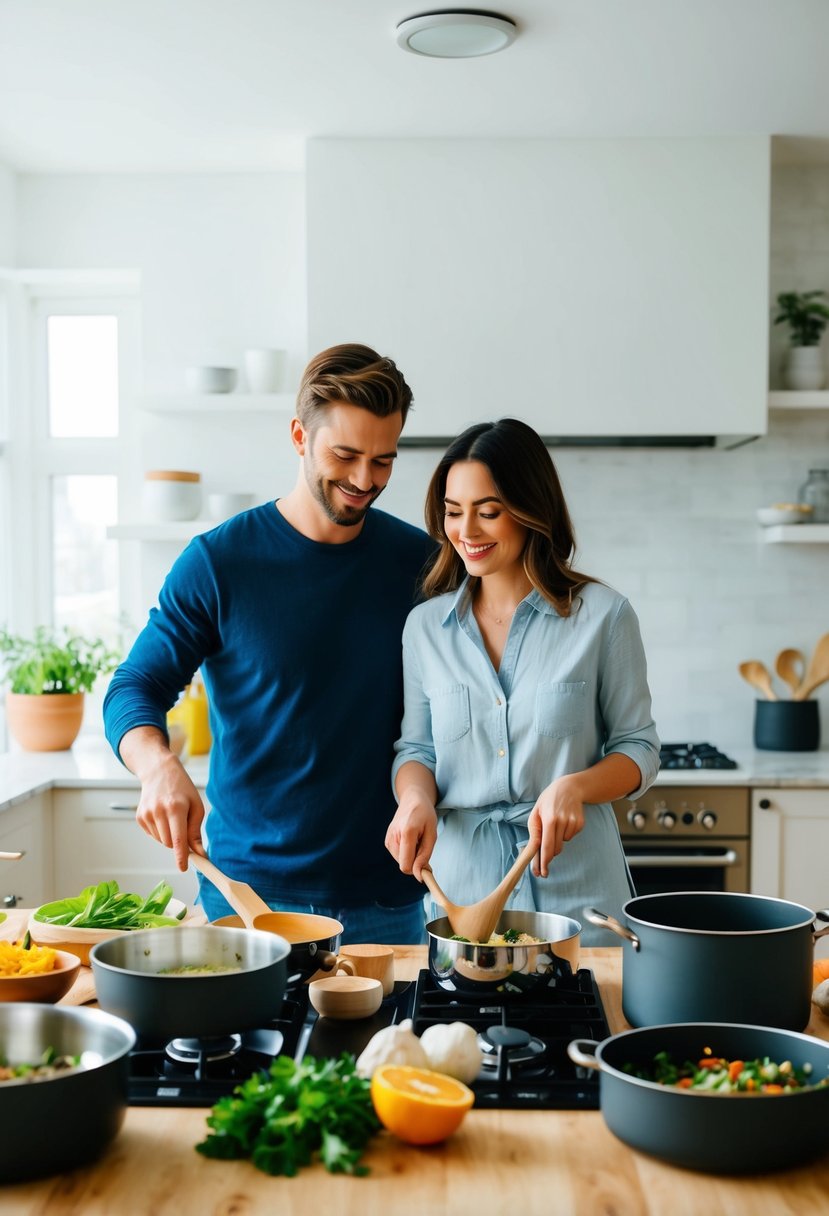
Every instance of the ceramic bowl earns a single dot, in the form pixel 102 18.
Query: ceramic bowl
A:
pixel 346 997
pixel 42 989
pixel 78 942
pixel 210 379
pixel 170 494
pixel 783 513
pixel 223 505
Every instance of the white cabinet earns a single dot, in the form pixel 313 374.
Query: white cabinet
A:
pixel 96 838
pixel 26 828
pixel 790 847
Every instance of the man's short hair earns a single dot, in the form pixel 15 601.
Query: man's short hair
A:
pixel 353 374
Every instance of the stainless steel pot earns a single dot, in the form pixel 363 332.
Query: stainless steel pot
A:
pixel 718 1133
pixel 508 970
pixel 66 1121
pixel 715 957
pixel 128 980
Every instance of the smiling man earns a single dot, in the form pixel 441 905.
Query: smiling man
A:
pixel 293 611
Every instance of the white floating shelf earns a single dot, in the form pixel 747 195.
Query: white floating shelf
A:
pixel 219 403
pixel 184 529
pixel 788 400
pixel 796 534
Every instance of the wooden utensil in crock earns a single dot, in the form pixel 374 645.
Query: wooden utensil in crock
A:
pixel 818 670
pixel 790 665
pixel 758 675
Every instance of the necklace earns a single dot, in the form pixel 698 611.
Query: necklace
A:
pixel 499 620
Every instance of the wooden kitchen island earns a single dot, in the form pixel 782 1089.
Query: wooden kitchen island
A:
pixel 531 1163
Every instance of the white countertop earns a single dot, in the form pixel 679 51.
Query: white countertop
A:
pixel 90 762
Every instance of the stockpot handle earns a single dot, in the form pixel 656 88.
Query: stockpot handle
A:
pixel 602 921
pixel 823 915
pixel 583 1052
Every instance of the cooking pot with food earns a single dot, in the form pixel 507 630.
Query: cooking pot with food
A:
pixel 509 968
pixel 199 983
pixel 313 940
pixel 715 956
pixel 703 1129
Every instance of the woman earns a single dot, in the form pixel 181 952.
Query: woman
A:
pixel 527 708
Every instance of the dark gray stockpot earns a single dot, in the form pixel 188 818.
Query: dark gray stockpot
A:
pixel 506 970
pixel 715 957
pixel 718 1133
pixel 128 983
pixel 61 1122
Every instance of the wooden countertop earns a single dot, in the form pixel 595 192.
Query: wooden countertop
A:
pixel 538 1163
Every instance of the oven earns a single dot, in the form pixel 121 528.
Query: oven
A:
pixel 687 838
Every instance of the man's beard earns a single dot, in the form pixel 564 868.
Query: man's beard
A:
pixel 343 515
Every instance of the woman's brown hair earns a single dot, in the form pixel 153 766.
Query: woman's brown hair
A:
pixel 527 483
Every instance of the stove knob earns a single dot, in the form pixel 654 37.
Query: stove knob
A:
pixel 666 819
pixel 707 819
pixel 637 819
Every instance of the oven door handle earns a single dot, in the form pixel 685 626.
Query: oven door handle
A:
pixel 727 858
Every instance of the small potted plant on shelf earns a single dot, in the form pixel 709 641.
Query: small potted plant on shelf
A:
pixel 807 318
pixel 48 674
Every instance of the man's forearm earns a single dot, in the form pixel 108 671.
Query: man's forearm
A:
pixel 143 748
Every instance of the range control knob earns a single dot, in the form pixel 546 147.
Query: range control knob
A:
pixel 666 819
pixel 637 819
pixel 706 819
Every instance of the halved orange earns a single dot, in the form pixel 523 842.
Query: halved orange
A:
pixel 418 1105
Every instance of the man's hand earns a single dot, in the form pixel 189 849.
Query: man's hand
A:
pixel 412 833
pixel 557 817
pixel 169 809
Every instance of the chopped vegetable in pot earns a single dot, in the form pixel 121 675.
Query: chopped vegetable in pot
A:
pixel 50 1065
pixel 510 937
pixel 717 1075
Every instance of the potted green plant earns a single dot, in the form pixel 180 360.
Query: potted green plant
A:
pixel 807 318
pixel 48 674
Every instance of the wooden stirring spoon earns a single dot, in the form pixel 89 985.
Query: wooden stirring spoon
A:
pixel 241 897
pixel 759 677
pixel 790 665
pixel 818 670
pixel 477 921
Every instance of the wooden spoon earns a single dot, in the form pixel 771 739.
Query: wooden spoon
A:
pixel 477 921
pixel 818 670
pixel 241 897
pixel 790 665
pixel 759 677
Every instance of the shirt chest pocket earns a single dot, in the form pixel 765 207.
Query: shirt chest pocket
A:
pixel 450 712
pixel 560 709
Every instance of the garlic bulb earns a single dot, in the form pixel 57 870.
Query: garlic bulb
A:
pixel 820 996
pixel 392 1045
pixel 453 1049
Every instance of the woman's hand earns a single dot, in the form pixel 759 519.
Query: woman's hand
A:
pixel 412 833
pixel 557 817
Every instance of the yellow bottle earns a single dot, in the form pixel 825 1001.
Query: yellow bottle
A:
pixel 191 713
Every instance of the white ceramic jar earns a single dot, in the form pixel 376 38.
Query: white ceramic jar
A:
pixel 263 369
pixel 171 494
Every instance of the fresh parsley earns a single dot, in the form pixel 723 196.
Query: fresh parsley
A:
pixel 283 1118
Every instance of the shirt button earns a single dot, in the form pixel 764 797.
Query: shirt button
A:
pixel 497 700
pixel 500 751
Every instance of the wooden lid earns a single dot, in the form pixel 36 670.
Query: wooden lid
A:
pixel 171 475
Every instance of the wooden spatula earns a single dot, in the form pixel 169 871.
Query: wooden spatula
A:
pixel 759 677
pixel 818 669
pixel 477 921
pixel 790 665
pixel 241 897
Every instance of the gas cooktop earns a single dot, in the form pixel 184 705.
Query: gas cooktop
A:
pixel 693 756
pixel 524 1042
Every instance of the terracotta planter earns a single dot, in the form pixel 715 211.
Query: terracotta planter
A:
pixel 46 723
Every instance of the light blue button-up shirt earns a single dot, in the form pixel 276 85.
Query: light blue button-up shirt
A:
pixel 569 691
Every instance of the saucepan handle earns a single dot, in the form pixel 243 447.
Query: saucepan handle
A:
pixel 602 921
pixel 823 915
pixel 583 1052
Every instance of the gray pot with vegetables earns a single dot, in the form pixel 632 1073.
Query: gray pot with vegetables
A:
pixel 199 983
pixel 67 1096
pixel 511 967
pixel 717 1124
pixel 724 957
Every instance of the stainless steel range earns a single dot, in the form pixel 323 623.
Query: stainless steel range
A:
pixel 688 837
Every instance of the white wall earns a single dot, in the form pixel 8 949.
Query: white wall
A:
pixel 674 530
pixel 600 287
pixel 8 209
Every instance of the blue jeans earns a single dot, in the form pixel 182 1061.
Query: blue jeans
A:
pixel 375 923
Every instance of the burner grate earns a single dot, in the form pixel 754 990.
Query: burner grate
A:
pixel 693 756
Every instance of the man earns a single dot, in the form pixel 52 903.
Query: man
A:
pixel 293 611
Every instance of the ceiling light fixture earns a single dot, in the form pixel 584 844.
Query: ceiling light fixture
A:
pixel 456 33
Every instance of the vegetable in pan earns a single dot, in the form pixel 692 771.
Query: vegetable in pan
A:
pixel 107 907
pixel 510 937
pixel 716 1075
pixel 49 1065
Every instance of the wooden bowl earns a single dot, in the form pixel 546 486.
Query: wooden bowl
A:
pixel 42 989
pixel 345 996
pixel 80 941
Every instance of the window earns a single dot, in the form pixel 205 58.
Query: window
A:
pixel 82 354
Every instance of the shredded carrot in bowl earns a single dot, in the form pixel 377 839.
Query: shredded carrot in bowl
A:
pixel 15 960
